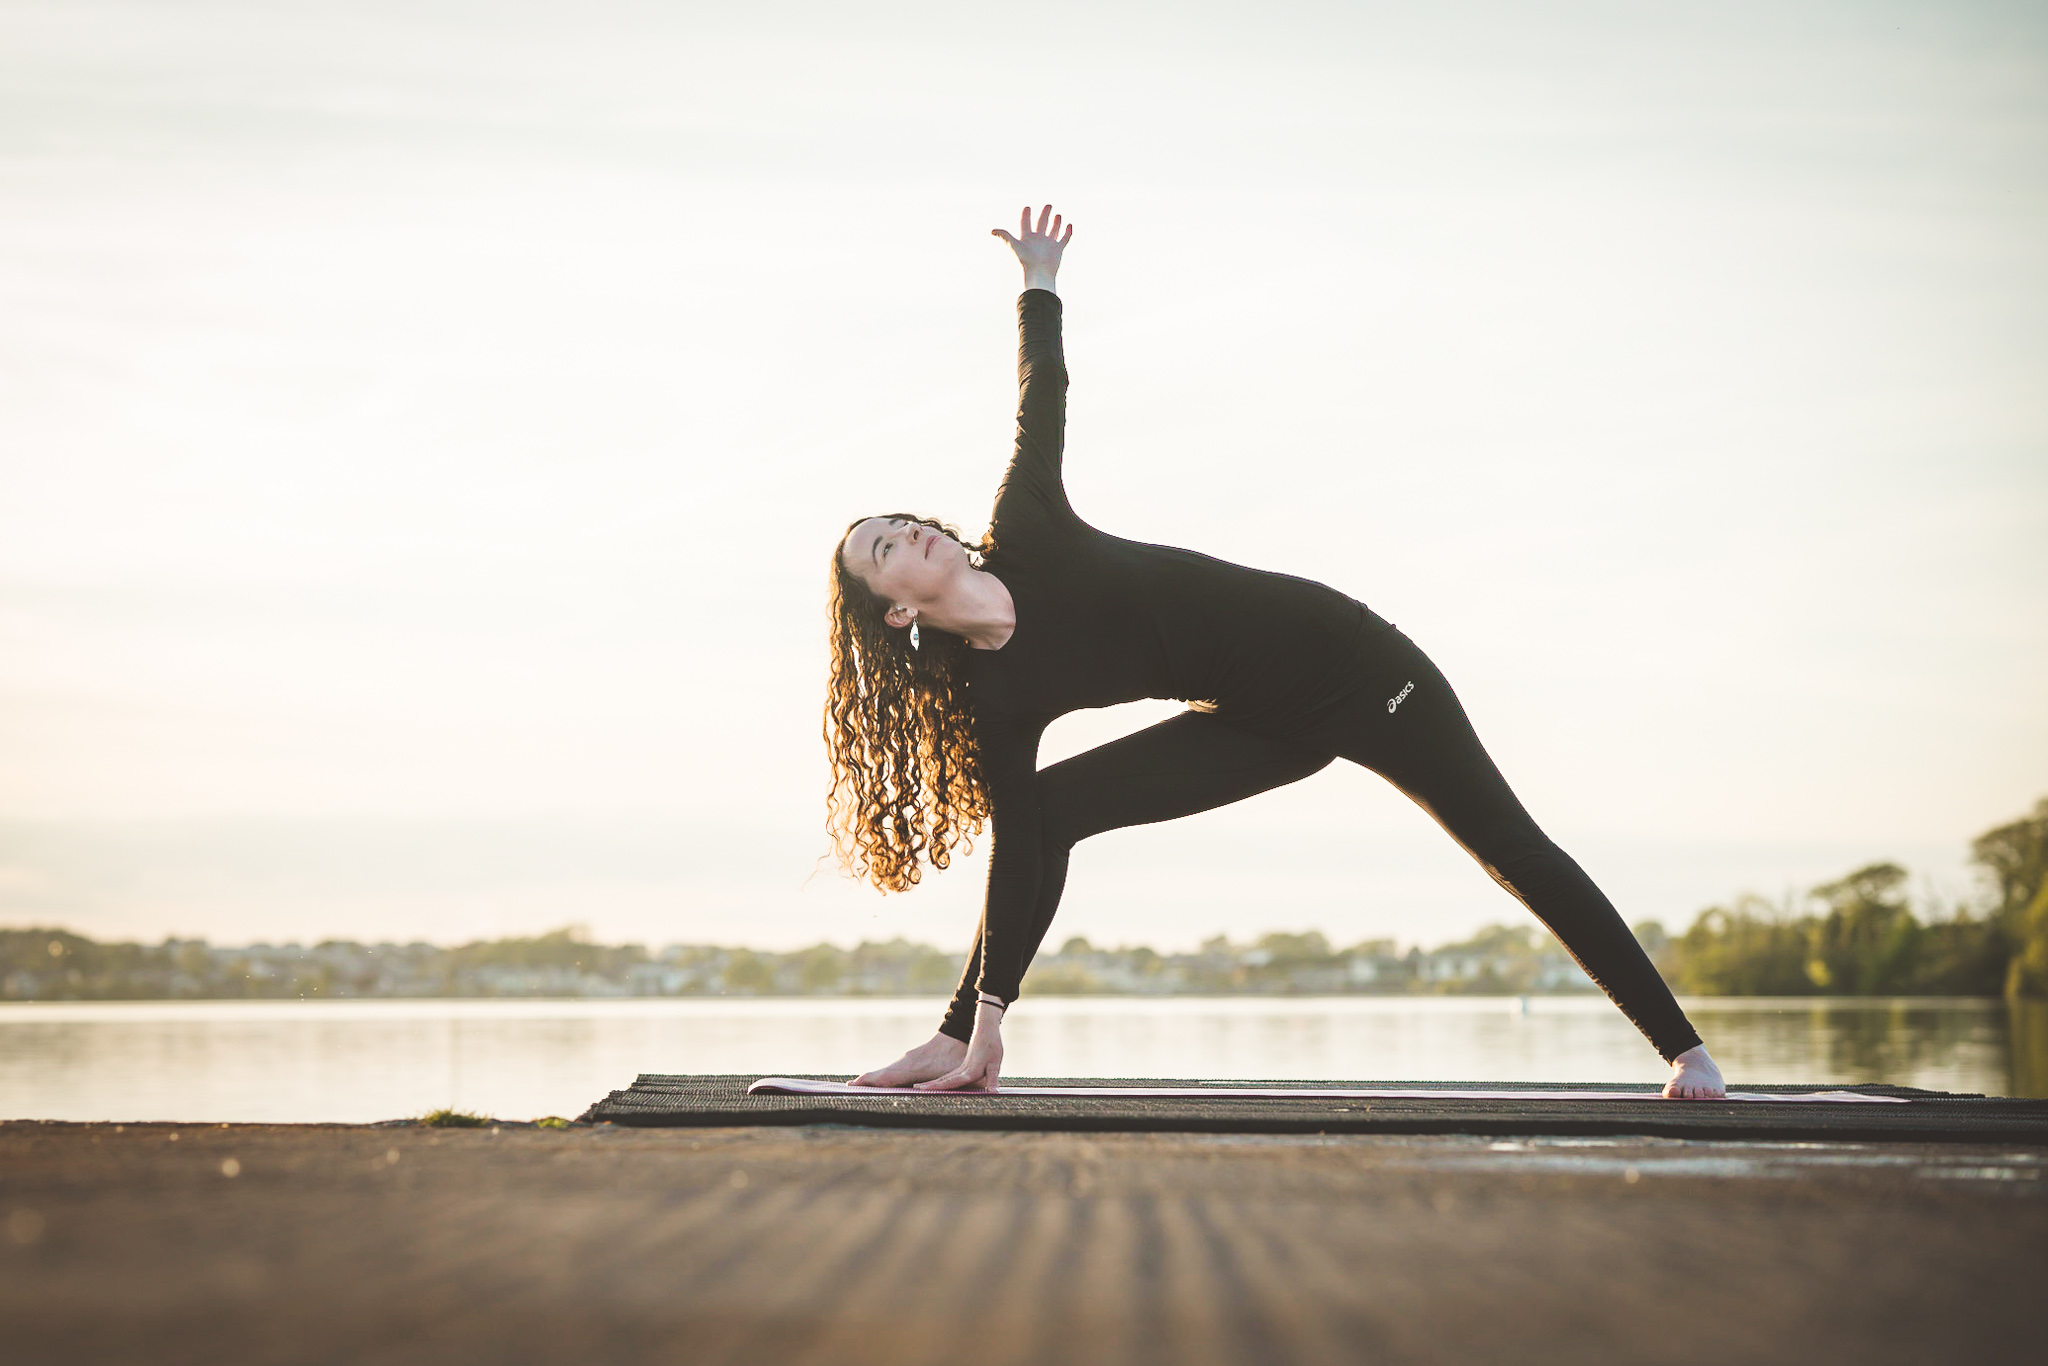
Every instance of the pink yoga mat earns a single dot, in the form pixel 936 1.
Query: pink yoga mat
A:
pixel 795 1086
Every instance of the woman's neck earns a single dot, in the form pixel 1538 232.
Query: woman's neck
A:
pixel 978 608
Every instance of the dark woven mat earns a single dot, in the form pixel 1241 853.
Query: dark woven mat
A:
pixel 1934 1116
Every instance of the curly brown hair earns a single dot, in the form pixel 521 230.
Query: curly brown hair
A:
pixel 906 777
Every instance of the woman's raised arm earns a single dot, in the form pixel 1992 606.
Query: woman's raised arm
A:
pixel 1032 498
pixel 1038 249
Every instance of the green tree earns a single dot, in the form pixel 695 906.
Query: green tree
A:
pixel 1963 955
pixel 746 971
pixel 1051 977
pixel 1752 948
pixel 931 970
pixel 2027 977
pixel 1296 950
pixel 2014 858
pixel 819 968
pixel 1864 945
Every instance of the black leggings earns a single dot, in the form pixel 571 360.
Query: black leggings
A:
pixel 1408 727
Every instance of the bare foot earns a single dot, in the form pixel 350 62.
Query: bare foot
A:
pixel 934 1058
pixel 1695 1077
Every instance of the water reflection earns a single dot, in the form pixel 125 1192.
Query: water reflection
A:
pixel 356 1061
pixel 1946 1045
pixel 2028 1024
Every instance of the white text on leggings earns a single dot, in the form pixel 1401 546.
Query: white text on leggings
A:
pixel 1395 700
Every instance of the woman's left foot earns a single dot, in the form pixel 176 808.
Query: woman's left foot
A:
pixel 1695 1077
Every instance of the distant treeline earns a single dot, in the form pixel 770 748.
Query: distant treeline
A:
pixel 58 965
pixel 1855 936
pixel 1858 936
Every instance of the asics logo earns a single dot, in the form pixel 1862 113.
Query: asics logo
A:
pixel 1395 700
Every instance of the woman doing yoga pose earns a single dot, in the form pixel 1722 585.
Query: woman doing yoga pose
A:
pixel 949 661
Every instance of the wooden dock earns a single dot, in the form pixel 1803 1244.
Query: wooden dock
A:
pixel 830 1244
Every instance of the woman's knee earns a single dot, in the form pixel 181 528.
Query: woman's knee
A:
pixel 1061 824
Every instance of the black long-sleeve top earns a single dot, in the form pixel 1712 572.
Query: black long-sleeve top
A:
pixel 1101 620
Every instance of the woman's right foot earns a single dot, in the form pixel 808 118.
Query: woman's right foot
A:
pixel 1695 1077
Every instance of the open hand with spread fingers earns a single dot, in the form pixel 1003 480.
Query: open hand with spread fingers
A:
pixel 1038 249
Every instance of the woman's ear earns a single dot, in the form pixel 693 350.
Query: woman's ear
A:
pixel 900 616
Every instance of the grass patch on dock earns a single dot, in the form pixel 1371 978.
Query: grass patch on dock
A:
pixel 454 1119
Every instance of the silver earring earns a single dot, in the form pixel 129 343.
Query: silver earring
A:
pixel 913 636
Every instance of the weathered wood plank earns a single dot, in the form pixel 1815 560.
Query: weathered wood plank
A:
pixel 847 1246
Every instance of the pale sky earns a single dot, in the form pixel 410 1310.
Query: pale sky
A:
pixel 424 428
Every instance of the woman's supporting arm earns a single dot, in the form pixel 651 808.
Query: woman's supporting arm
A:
pixel 1008 935
pixel 960 1015
pixel 1009 768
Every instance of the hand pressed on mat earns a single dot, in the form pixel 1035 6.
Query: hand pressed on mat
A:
pixel 935 1057
pixel 943 1063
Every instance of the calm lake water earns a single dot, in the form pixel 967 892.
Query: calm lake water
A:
pixel 368 1060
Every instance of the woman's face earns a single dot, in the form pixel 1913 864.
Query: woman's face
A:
pixel 903 561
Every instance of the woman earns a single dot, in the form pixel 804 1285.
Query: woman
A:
pixel 949 661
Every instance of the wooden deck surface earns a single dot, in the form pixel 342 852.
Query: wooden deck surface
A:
pixel 829 1245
